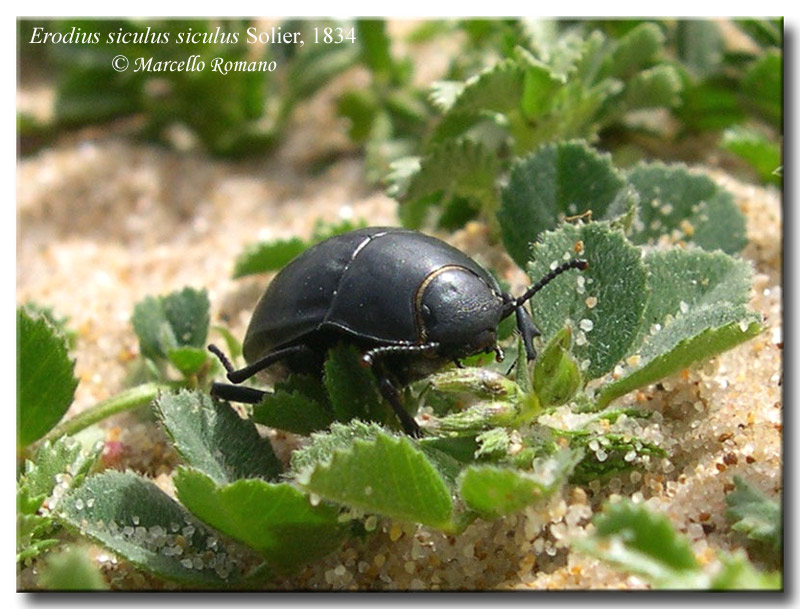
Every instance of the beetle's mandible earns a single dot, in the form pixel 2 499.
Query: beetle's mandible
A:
pixel 409 302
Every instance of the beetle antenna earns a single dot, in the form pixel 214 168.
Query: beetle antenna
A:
pixel 226 363
pixel 578 263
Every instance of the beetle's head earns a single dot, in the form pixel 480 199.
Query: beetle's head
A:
pixel 458 310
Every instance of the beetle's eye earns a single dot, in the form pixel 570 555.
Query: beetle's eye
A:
pixel 427 314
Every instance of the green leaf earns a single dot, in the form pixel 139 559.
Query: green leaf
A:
pixel 72 570
pixel 619 453
pixel 179 319
pixel 324 445
pixel 315 67
pixel 738 573
pixel 764 32
pixel 538 92
pixel 385 475
pixel 134 519
pixel 762 87
pixel 189 360
pixel 697 309
pixel 636 540
pixel 375 46
pixel 187 314
pixel 754 514
pixel 210 436
pixel 33 535
pixel 558 180
pixel 299 405
pixel 351 387
pixel 57 321
pixel 267 256
pixel 604 304
pixel 453 169
pixel 756 149
pixel 556 376
pixel 640 541
pixel 360 108
pixel 45 377
pixel 492 443
pixel 636 50
pixel 656 87
pixel 443 93
pixel 276 520
pixel 495 491
pixel 496 89
pixel 677 205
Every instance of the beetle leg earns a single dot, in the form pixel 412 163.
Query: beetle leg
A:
pixel 528 330
pixel 234 393
pixel 238 376
pixel 392 395
pixel 368 359
pixel 458 363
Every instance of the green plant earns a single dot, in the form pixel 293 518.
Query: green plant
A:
pixel 645 543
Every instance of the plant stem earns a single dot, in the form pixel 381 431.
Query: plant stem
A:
pixel 126 400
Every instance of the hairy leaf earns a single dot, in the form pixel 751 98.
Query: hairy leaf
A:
pixel 210 436
pixel 455 169
pixel 299 405
pixel 324 445
pixel 604 304
pixel 754 514
pixel 697 309
pixel 136 520
pixel 677 205
pixel 558 180
pixel 164 323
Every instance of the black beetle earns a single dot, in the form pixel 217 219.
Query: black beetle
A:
pixel 409 302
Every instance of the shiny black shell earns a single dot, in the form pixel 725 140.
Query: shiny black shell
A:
pixel 362 285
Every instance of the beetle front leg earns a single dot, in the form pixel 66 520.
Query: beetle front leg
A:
pixel 528 330
pixel 392 395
